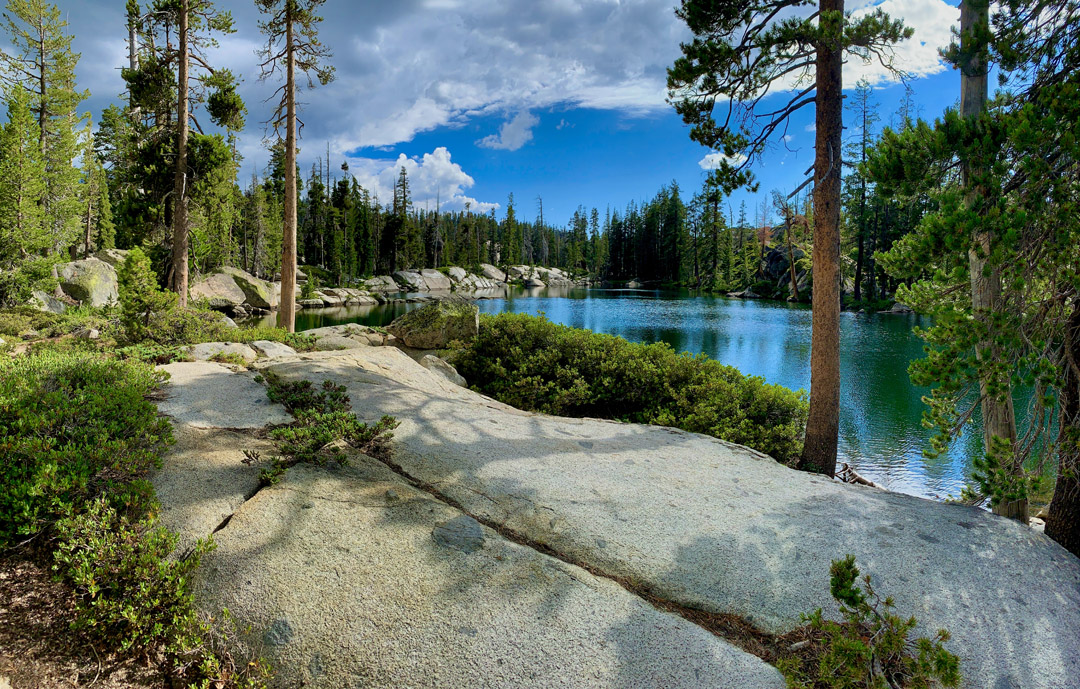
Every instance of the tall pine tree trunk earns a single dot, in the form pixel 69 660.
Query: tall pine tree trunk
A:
pixel 999 420
pixel 823 425
pixel 1063 525
pixel 287 312
pixel 180 201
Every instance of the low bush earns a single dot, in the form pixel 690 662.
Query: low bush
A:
pixel 18 321
pixel 323 421
pixel 77 430
pixel 131 593
pixel 19 281
pixel 534 364
pixel 871 648
pixel 72 424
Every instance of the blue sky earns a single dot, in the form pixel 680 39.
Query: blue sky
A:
pixel 482 98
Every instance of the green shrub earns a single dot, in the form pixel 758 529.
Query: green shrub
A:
pixel 532 363
pixel 323 421
pixel 141 300
pixel 71 425
pixel 309 287
pixel 870 649
pixel 18 283
pixel 15 322
pixel 130 593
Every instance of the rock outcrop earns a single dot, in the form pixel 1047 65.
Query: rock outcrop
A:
pixel 442 368
pixel 349 577
pixel 898 308
pixel 114 257
pixel 436 325
pixel 46 302
pixel 89 281
pixel 360 333
pixel 272 349
pixel 718 527
pixel 208 351
pixel 435 281
pixel 201 395
pixel 381 283
pixel 257 293
pixel 219 289
pixel 492 273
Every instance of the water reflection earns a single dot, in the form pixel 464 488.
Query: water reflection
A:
pixel 880 420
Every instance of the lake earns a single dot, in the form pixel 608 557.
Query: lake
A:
pixel 881 434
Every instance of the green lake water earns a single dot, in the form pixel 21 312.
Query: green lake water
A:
pixel 880 416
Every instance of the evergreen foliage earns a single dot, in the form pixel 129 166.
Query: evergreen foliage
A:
pixel 532 363
pixel 870 649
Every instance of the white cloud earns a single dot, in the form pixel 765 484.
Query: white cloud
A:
pixel 438 63
pixel 932 21
pixel 713 160
pixel 513 134
pixel 413 66
pixel 433 180
pixel 788 138
pixel 812 127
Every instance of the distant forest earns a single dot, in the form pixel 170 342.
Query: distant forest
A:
pixel 70 188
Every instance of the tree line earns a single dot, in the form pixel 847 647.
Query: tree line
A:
pixel 161 171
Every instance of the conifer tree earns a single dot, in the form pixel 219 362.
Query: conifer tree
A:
pixel 740 50
pixel 196 22
pixel 44 65
pixel 292 43
pixel 23 230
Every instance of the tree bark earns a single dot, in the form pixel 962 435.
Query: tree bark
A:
pixel 823 425
pixel 43 112
pixel 998 416
pixel 287 306
pixel 180 205
pixel 1063 524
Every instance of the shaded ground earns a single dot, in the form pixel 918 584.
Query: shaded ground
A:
pixel 38 650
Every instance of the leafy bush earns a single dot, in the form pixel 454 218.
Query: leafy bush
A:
pixel 323 420
pixel 18 283
pixel 17 321
pixel 870 649
pixel 76 431
pixel 130 591
pixel 533 364
pixel 71 425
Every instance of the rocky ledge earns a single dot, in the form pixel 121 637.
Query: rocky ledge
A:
pixel 437 570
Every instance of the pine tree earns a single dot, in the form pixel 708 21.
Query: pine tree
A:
pixel 23 230
pixel 292 43
pixel 44 65
pixel 740 48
